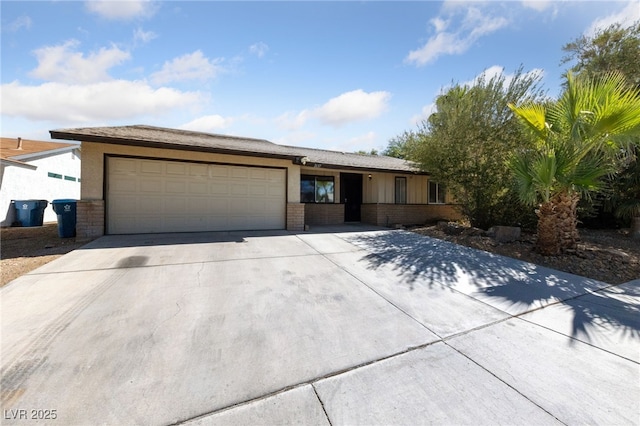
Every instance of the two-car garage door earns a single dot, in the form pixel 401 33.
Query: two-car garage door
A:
pixel 146 196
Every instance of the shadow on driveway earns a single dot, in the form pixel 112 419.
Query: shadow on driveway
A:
pixel 426 261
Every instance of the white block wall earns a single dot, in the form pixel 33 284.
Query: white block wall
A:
pixel 18 183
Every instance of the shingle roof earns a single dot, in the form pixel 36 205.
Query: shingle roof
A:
pixel 17 150
pixel 356 161
pixel 159 137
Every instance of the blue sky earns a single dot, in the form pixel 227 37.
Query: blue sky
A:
pixel 333 75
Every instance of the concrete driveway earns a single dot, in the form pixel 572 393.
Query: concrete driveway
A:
pixel 363 327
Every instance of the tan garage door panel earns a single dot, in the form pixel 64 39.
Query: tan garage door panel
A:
pixel 170 196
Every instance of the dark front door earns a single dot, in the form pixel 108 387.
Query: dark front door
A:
pixel 351 193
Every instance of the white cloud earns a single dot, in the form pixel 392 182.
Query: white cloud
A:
pixel 192 66
pixel 121 10
pixel 497 70
pixel 353 106
pixel 141 36
pixel 63 64
pixel 348 107
pixel 259 49
pixel 363 142
pixel 293 121
pixel 538 5
pixel 20 23
pixel 426 111
pixel 473 25
pixel 72 103
pixel 439 24
pixel 626 17
pixel 208 123
pixel 487 75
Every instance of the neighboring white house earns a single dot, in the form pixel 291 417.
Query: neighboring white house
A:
pixel 37 170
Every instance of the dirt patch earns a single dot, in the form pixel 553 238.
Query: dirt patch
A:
pixel 24 249
pixel 605 255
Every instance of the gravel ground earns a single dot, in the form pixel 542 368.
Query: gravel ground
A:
pixel 605 255
pixel 25 249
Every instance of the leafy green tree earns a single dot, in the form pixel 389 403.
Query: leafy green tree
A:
pixel 612 49
pixel 373 151
pixel 578 141
pixel 466 143
pixel 402 146
pixel 626 195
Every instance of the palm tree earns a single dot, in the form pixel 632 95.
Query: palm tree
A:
pixel 579 139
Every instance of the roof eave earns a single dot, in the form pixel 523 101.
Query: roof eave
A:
pixel 11 162
pixel 365 169
pixel 163 145
pixel 34 155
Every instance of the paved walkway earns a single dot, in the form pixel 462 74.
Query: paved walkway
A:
pixel 363 327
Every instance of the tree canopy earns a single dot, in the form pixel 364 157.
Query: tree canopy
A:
pixel 466 143
pixel 614 48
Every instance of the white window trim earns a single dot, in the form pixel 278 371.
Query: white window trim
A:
pixel 437 194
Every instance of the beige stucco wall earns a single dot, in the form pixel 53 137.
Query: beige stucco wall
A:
pixel 93 155
pixel 380 188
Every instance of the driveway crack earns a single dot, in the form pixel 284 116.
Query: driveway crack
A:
pixel 371 288
pixel 321 404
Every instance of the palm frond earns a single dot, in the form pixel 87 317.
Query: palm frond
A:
pixel 520 165
pixel 533 116
pixel 628 209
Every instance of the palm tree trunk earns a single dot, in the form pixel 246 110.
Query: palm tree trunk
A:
pixel 566 205
pixel 548 242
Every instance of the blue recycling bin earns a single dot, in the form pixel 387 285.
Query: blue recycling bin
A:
pixel 66 211
pixel 30 212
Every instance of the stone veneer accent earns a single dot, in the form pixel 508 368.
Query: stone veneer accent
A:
pixel 407 214
pixel 295 217
pixel 323 214
pixel 89 219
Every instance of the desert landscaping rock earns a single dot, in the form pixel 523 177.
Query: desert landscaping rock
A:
pixel 610 255
pixel 505 234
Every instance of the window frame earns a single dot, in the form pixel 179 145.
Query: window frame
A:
pixel 400 197
pixel 440 193
pixel 330 197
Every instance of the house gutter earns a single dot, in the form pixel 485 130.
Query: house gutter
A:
pixel 11 162
pixel 39 154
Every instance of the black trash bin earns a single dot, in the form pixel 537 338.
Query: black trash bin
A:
pixel 30 212
pixel 66 211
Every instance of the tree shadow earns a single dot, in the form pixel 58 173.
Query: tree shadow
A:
pixel 607 309
pixel 508 284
